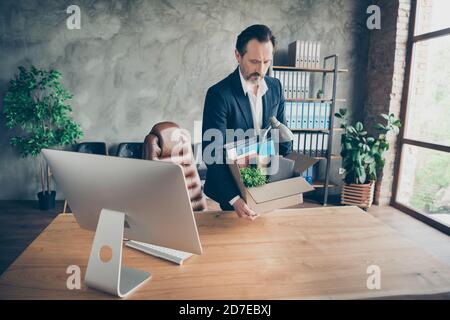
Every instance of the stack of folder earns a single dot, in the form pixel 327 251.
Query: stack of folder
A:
pixel 304 54
pixel 302 111
pixel 311 144
pixel 307 115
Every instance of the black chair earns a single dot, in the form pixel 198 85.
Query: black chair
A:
pixel 92 147
pixel 89 147
pixel 130 150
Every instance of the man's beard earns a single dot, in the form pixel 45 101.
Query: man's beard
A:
pixel 254 80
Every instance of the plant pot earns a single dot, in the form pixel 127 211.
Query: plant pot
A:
pixel 46 200
pixel 360 195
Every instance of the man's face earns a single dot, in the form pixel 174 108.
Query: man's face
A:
pixel 256 61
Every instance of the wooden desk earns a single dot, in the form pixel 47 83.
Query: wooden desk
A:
pixel 287 254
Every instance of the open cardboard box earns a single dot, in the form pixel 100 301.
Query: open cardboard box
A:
pixel 278 194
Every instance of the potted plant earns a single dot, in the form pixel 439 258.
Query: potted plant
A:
pixel 363 158
pixel 35 107
pixel 320 94
pixel 253 177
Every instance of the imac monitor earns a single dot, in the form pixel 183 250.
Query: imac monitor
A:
pixel 151 196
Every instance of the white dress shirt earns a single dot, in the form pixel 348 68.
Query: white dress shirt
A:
pixel 256 106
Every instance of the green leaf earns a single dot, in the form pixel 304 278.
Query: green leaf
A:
pixel 366 148
pixel 395 130
pixel 351 129
pixel 359 126
pixel 368 159
pixel 362 177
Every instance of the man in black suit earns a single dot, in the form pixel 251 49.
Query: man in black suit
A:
pixel 246 99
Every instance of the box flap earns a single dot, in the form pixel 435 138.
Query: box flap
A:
pixel 279 189
pixel 302 162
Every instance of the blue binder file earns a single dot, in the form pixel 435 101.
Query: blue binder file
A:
pixel 322 115
pixel 310 115
pixel 304 117
pixel 327 118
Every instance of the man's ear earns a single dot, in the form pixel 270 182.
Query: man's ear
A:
pixel 237 55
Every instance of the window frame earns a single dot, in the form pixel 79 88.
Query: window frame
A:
pixel 401 141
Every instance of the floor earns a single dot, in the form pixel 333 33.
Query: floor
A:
pixel 21 222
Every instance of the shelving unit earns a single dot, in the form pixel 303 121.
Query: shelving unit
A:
pixel 314 130
pixel 330 68
pixel 313 100
pixel 321 70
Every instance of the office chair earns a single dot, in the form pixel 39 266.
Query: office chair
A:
pixel 92 147
pixel 168 142
pixel 130 150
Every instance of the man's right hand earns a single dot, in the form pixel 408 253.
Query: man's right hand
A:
pixel 243 211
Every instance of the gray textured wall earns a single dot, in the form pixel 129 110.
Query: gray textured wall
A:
pixel 135 63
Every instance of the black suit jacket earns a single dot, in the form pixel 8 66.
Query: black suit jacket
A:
pixel 227 107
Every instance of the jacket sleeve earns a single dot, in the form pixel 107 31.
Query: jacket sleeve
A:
pixel 285 147
pixel 215 113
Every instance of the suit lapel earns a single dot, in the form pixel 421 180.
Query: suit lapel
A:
pixel 241 98
pixel 266 110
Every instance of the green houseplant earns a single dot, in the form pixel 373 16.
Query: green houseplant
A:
pixel 35 108
pixel 252 177
pixel 363 157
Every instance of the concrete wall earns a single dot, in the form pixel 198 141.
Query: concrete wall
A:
pixel 135 63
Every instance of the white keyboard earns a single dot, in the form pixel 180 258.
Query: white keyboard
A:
pixel 173 255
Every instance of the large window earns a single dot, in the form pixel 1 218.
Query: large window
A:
pixel 422 184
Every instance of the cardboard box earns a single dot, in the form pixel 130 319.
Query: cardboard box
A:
pixel 279 194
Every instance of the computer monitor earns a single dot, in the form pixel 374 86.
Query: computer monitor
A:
pixel 141 200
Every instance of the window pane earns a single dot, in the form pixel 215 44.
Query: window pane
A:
pixel 432 15
pixel 428 117
pixel 424 183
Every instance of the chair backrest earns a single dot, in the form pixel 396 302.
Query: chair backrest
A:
pixel 130 150
pixel 168 142
pixel 92 147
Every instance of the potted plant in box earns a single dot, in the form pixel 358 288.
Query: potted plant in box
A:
pixel 363 158
pixel 253 177
pixel 35 106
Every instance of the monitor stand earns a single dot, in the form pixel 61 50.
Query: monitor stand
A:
pixel 105 271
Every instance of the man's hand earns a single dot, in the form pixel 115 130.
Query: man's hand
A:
pixel 243 211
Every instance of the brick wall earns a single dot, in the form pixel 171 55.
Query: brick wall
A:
pixel 385 77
